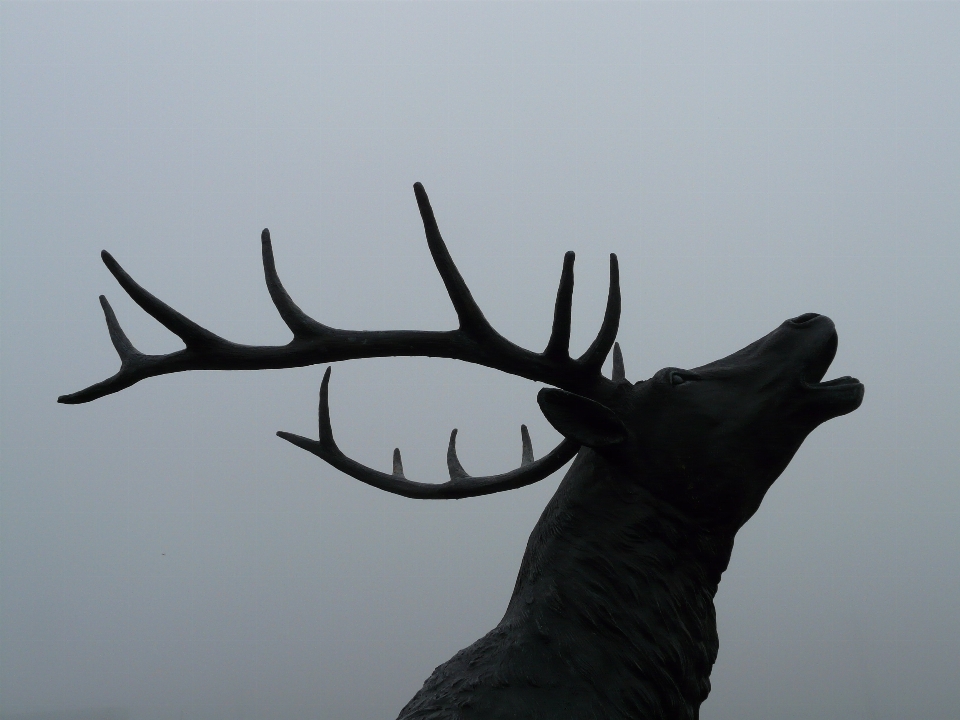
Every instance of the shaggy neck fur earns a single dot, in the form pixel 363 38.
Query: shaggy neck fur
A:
pixel 612 615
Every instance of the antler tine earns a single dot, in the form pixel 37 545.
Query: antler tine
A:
pixel 559 343
pixel 187 330
pixel 593 358
pixel 325 444
pixel 300 324
pixel 453 462
pixel 471 317
pixel 121 342
pixel 526 453
pixel 618 374
pixel 456 488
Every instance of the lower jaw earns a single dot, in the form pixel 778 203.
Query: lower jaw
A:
pixel 837 399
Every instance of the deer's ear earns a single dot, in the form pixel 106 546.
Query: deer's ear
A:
pixel 581 419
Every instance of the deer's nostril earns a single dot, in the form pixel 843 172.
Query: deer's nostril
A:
pixel 805 318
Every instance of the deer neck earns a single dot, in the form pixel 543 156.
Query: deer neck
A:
pixel 622 586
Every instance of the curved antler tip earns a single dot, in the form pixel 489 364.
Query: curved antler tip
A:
pixel 112 265
pixel 569 255
pixel 326 374
pixel 304 443
pixel 421 194
pixel 77 398
pixel 265 236
pixel 453 462
pixel 615 282
pixel 618 374
pixel 527 446
pixel 298 440
pixel 323 409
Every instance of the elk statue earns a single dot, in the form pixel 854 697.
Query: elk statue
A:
pixel 612 615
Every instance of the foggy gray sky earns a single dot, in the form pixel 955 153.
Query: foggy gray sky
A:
pixel 162 551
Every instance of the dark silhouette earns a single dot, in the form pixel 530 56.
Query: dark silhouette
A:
pixel 612 615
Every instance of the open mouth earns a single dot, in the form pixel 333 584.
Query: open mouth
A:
pixel 834 397
pixel 837 382
pixel 844 393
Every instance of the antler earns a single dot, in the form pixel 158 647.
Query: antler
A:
pixel 460 485
pixel 475 341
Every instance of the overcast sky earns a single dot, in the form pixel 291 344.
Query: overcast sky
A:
pixel 164 553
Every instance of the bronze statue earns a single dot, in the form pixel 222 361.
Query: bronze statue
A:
pixel 612 614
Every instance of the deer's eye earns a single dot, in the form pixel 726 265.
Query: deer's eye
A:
pixel 679 378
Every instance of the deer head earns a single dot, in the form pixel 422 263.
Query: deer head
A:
pixel 712 440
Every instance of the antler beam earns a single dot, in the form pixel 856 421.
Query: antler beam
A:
pixel 475 341
pixel 460 485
